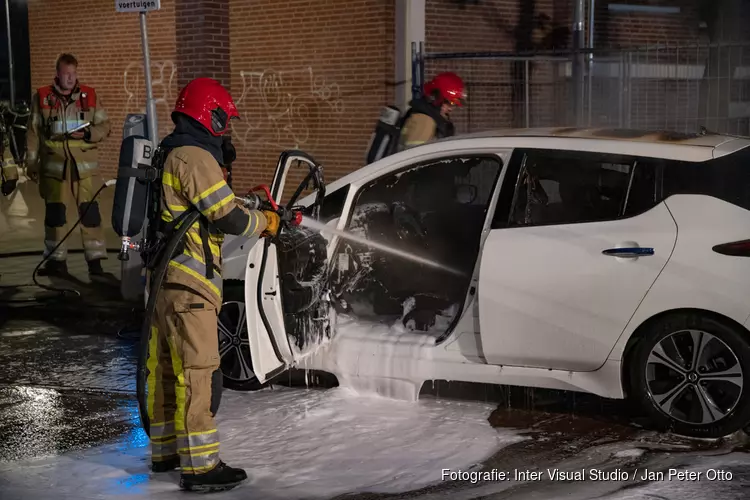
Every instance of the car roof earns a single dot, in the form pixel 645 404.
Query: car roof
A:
pixel 707 139
pixel 697 147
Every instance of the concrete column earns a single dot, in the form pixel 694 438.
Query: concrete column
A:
pixel 410 27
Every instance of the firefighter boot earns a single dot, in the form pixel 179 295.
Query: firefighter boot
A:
pixel 165 465
pixel 54 268
pixel 95 267
pixel 220 478
pixel 97 273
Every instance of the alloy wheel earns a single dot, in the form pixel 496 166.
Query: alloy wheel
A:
pixel 234 345
pixel 694 377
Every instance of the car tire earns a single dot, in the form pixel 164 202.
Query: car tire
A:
pixel 707 397
pixel 234 347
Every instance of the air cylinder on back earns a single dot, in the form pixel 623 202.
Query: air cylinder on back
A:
pixel 384 140
pixel 132 187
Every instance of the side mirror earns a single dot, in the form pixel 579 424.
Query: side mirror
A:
pixel 466 194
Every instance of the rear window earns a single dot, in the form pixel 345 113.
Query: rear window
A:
pixel 726 178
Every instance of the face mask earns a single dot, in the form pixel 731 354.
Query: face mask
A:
pixel 229 154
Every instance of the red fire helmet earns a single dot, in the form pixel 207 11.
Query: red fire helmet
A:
pixel 448 87
pixel 209 103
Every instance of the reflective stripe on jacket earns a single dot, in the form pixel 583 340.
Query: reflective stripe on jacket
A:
pixel 192 177
pixel 49 152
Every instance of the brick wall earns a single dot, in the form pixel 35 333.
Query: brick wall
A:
pixel 302 76
pixel 314 78
pixel 202 33
pixel 309 77
pixel 108 47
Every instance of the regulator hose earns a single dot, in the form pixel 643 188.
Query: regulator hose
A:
pixel 154 286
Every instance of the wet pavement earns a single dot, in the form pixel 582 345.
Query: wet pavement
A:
pixel 67 385
pixel 63 389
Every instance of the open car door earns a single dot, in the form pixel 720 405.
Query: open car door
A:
pixel 284 319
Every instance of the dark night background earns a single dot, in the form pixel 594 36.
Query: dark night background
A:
pixel 19 27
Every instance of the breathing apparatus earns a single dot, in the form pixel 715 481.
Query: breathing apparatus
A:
pixel 137 203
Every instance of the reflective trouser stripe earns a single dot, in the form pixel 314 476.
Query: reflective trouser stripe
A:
pixel 187 356
pixel 163 434
pixel 64 200
pixel 163 446
pixel 94 249
pixel 199 451
pixel 60 254
pixel 151 365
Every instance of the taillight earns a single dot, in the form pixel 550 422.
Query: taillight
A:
pixel 735 248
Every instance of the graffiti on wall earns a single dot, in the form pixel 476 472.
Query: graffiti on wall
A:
pixel 163 79
pixel 285 109
pixel 280 109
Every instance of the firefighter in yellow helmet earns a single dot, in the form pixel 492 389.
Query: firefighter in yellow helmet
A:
pixel 184 380
pixel 66 125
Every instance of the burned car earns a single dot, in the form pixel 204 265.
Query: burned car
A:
pixel 541 257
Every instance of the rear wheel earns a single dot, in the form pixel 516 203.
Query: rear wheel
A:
pixel 234 345
pixel 690 373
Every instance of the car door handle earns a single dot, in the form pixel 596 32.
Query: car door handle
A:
pixel 629 252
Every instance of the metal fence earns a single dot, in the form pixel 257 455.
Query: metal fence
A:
pixel 678 88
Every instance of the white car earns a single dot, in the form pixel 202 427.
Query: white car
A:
pixel 613 262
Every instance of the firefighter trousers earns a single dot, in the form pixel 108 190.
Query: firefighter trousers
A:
pixel 65 201
pixel 184 380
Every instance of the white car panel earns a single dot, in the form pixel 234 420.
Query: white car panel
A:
pixel 397 364
pixel 696 276
pixel 269 346
pixel 235 250
pixel 265 319
pixel 549 298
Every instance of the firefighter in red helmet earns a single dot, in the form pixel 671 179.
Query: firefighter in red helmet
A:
pixel 429 116
pixel 184 381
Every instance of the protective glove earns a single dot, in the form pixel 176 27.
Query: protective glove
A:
pixel 273 221
pixel 8 186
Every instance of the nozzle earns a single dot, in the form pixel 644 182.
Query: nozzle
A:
pixel 252 201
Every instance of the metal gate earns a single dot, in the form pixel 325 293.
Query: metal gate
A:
pixel 676 88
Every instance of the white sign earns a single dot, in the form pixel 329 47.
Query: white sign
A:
pixel 137 5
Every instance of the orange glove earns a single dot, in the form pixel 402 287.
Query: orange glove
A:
pixel 272 223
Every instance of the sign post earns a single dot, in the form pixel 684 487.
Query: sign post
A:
pixel 11 76
pixel 132 284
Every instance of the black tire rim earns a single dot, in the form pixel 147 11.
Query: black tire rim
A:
pixel 694 377
pixel 234 345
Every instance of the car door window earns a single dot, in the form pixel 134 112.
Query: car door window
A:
pixel 557 187
pixel 435 210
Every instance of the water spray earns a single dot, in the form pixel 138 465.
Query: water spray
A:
pixel 323 228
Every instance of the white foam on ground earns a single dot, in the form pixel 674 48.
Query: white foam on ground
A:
pixel 371 347
pixel 294 443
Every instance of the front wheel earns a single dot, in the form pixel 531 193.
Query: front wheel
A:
pixel 234 345
pixel 690 373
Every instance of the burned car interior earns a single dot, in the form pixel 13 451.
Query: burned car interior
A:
pixel 436 210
